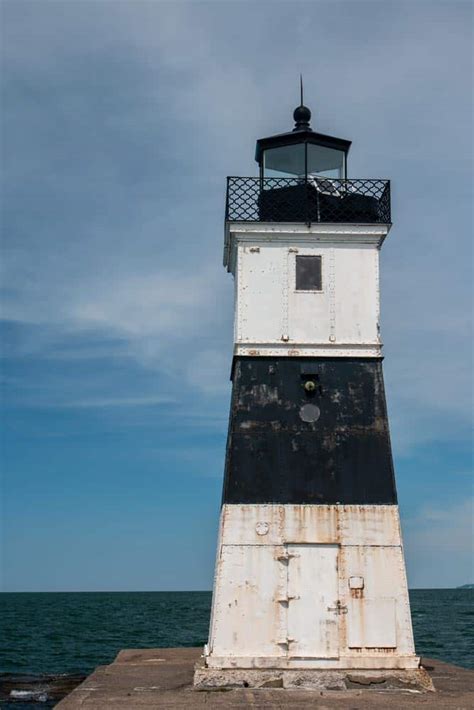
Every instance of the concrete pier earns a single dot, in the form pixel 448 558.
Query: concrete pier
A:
pixel 163 678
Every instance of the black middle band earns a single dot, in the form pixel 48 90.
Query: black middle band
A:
pixel 308 430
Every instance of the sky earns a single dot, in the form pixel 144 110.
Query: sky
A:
pixel 121 121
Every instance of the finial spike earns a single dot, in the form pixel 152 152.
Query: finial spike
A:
pixel 302 114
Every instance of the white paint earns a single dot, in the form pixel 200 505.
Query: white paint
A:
pixel 372 623
pixel 245 609
pixel 369 233
pixel 305 350
pixel 374 525
pixel 273 318
pixel 324 587
pixel 313 627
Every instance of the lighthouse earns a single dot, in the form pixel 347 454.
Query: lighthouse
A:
pixel 310 579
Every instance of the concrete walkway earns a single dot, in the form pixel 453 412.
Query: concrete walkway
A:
pixel 163 678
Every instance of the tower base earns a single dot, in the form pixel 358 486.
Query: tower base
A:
pixel 310 588
pixel 414 680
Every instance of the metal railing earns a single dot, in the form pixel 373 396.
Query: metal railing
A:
pixel 254 199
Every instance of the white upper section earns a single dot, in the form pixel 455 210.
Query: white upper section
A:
pixel 272 317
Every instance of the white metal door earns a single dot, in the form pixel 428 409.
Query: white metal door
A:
pixel 244 619
pixel 313 608
pixel 260 285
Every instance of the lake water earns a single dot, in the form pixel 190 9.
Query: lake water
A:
pixel 75 632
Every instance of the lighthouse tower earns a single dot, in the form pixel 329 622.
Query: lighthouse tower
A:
pixel 310 572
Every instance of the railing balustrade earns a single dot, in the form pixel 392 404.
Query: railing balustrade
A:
pixel 255 199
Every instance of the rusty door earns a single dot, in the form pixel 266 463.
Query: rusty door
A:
pixel 243 624
pixel 313 606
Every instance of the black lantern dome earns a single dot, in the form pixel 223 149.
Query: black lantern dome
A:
pixel 302 153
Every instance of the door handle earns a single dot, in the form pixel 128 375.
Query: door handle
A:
pixel 339 608
pixel 284 556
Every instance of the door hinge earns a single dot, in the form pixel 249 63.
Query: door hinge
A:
pixel 288 598
pixel 285 642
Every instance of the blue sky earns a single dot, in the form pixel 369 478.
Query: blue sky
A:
pixel 121 122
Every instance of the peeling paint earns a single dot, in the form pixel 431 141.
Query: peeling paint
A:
pixel 341 456
pixel 264 576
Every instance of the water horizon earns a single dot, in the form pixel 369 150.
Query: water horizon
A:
pixel 170 591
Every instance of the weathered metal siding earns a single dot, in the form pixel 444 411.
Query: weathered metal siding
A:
pixel 311 586
pixel 349 525
pixel 274 454
pixel 273 317
pixel 246 614
pixel 312 593
pixel 260 282
pixel 310 570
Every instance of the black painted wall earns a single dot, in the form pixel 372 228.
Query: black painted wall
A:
pixel 342 455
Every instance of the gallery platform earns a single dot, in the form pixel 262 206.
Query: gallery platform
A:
pixel 163 678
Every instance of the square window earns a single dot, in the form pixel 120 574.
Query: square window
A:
pixel 308 273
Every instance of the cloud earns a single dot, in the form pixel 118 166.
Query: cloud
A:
pixel 161 303
pixel 120 123
pixel 122 126
pixel 120 402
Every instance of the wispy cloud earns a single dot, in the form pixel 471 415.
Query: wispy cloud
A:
pixel 119 129
pixel 120 402
pixel 122 235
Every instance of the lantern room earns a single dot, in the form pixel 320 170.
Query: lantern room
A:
pixel 303 179
pixel 302 153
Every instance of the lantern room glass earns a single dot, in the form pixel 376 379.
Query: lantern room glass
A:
pixel 285 161
pixel 326 162
pixel 302 160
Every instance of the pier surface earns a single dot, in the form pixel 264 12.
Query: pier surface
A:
pixel 163 678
